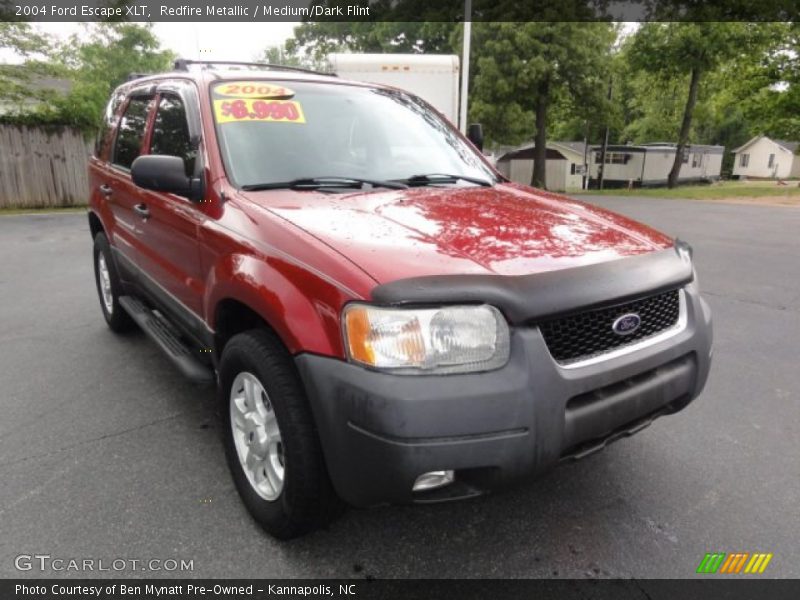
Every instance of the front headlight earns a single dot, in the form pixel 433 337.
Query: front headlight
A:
pixel 451 339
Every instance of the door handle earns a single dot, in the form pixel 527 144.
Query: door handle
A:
pixel 142 211
pixel 106 190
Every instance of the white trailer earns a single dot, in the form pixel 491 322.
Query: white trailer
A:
pixel 650 164
pixel 432 77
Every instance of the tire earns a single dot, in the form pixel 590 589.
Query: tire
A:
pixel 109 288
pixel 271 442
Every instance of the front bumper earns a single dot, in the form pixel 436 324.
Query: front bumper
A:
pixel 379 431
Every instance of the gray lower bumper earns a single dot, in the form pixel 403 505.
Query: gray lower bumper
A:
pixel 379 432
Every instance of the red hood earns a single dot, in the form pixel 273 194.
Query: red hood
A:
pixel 507 230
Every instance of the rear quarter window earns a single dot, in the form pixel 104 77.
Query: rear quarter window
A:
pixel 107 124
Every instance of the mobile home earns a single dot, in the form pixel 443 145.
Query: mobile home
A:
pixel 763 157
pixel 650 164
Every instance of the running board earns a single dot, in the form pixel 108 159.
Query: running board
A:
pixel 178 352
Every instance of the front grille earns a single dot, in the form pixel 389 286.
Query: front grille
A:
pixel 586 334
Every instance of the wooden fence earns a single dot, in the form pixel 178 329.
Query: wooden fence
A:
pixel 42 167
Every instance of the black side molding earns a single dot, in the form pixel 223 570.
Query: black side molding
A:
pixel 525 298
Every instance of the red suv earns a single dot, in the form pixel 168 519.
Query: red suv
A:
pixel 386 318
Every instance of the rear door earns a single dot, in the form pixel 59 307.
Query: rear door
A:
pixel 169 253
pixel 122 196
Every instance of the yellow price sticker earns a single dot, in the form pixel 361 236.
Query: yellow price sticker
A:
pixel 250 109
pixel 253 89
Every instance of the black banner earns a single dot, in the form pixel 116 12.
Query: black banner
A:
pixel 398 10
pixel 411 589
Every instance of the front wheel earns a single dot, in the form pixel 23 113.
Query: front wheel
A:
pixel 271 444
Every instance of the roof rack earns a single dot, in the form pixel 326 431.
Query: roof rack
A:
pixel 134 76
pixel 183 64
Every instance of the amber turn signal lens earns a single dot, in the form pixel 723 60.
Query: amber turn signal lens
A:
pixel 358 335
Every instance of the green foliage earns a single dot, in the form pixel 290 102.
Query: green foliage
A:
pixel 748 85
pixel 672 49
pixel 277 55
pixel 15 80
pixel 315 40
pixel 514 59
pixel 92 64
pixel 766 86
pixel 23 39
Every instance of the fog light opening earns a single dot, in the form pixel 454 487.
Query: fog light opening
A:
pixel 433 480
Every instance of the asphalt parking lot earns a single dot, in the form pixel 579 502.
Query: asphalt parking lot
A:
pixel 106 452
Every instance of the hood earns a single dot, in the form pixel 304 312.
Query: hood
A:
pixel 505 230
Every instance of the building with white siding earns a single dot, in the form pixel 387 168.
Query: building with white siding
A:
pixel 564 169
pixel 766 158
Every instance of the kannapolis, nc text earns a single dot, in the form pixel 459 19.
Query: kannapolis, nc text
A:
pixel 184 589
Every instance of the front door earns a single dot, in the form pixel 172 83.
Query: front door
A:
pixel 169 254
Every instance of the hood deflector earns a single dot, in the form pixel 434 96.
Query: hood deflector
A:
pixel 523 298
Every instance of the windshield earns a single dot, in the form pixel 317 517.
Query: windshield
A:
pixel 269 133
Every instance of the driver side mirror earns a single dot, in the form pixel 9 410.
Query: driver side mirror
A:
pixel 475 135
pixel 162 173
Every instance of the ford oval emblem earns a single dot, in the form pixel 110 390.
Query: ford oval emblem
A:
pixel 626 324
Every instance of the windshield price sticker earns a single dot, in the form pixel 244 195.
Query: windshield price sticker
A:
pixel 253 89
pixel 250 109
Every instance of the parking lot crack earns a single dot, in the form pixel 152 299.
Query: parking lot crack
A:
pixel 93 440
pixel 752 302
pixel 641 589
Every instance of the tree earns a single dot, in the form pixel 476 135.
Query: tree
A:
pixel 93 64
pixel 765 86
pixel 747 94
pixel 315 40
pixel 15 79
pixel 279 55
pixel 96 66
pixel 526 68
pixel 691 50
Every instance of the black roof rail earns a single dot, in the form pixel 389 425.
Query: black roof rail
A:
pixel 183 64
pixel 134 76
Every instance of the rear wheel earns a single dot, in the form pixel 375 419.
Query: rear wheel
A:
pixel 109 288
pixel 271 443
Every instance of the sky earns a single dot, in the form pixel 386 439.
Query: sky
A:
pixel 213 41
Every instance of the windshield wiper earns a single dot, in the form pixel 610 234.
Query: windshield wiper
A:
pixel 443 178
pixel 315 183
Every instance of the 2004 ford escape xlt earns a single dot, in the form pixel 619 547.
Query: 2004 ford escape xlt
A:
pixel 386 318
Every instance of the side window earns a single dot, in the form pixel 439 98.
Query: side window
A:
pixel 131 132
pixel 171 132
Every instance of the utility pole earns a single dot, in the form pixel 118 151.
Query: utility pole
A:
pixel 602 169
pixel 585 178
pixel 462 118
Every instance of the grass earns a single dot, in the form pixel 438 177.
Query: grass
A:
pixel 723 190
pixel 41 211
